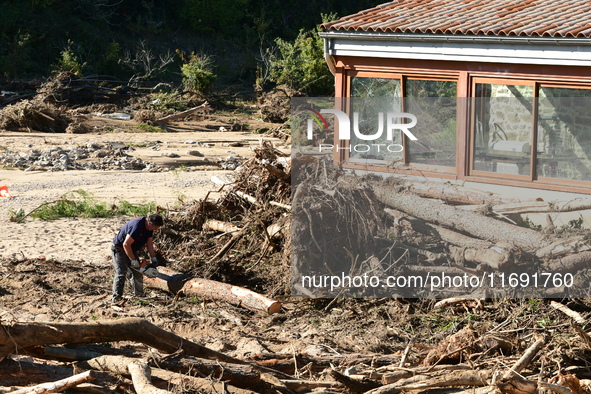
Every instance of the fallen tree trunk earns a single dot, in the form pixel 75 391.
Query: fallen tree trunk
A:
pixel 21 335
pixel 464 221
pixel 177 283
pixel 183 114
pixel 570 263
pixel 534 207
pixel 119 365
pixel 240 375
pixel 454 193
pixel 60 385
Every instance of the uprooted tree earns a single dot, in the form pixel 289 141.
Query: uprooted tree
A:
pixel 346 226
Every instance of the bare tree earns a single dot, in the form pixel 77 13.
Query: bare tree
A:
pixel 145 63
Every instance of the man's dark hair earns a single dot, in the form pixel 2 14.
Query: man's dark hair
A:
pixel 155 219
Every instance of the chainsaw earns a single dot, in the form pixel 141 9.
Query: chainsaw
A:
pixel 148 269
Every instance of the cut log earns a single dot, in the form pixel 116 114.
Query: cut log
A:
pixel 235 295
pixel 177 283
pixel 496 257
pixel 468 222
pixel 142 378
pixel 21 335
pixel 60 385
pixel 218 225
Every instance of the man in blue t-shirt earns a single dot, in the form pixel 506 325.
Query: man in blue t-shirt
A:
pixel 132 237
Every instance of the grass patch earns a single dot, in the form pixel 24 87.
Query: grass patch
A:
pixel 82 204
pixel 144 127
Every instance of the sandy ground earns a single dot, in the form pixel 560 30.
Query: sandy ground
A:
pixel 89 239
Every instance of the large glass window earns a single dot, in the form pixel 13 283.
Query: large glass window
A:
pixel 502 128
pixel 564 133
pixel 369 98
pixel 433 102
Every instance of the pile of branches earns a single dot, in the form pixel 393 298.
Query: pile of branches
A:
pixel 538 348
pixel 67 88
pixel 241 237
pixel 35 115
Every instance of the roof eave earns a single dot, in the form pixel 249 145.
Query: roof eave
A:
pixel 449 38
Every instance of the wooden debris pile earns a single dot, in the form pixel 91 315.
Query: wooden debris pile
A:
pixel 506 347
pixel 392 227
pixel 34 114
pixel 243 237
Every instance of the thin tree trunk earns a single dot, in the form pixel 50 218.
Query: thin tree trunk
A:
pixel 468 222
pixel 60 385
pixel 22 335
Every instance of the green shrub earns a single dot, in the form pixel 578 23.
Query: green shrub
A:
pixel 198 76
pixel 68 61
pixel 301 65
pixel 147 128
pixel 168 102
pixel 82 204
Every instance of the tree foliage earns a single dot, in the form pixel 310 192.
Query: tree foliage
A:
pixel 300 64
pixel 36 36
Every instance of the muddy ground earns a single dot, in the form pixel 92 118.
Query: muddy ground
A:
pixel 39 285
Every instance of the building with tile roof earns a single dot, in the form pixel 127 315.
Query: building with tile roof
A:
pixel 501 90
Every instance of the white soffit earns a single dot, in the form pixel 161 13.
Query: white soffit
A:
pixel 489 49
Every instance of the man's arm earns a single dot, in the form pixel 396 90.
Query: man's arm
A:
pixel 127 247
pixel 150 246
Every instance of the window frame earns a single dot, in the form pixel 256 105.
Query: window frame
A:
pixel 404 164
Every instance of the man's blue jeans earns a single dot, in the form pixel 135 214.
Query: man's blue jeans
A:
pixel 123 271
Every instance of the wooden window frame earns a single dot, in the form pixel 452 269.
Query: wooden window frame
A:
pixel 405 165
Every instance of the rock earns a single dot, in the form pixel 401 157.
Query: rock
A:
pixel 195 153
pixel 111 156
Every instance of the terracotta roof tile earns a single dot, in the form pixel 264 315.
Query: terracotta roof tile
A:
pixel 531 18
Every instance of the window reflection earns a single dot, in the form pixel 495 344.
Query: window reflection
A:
pixel 369 98
pixel 434 105
pixel 564 133
pixel 502 127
